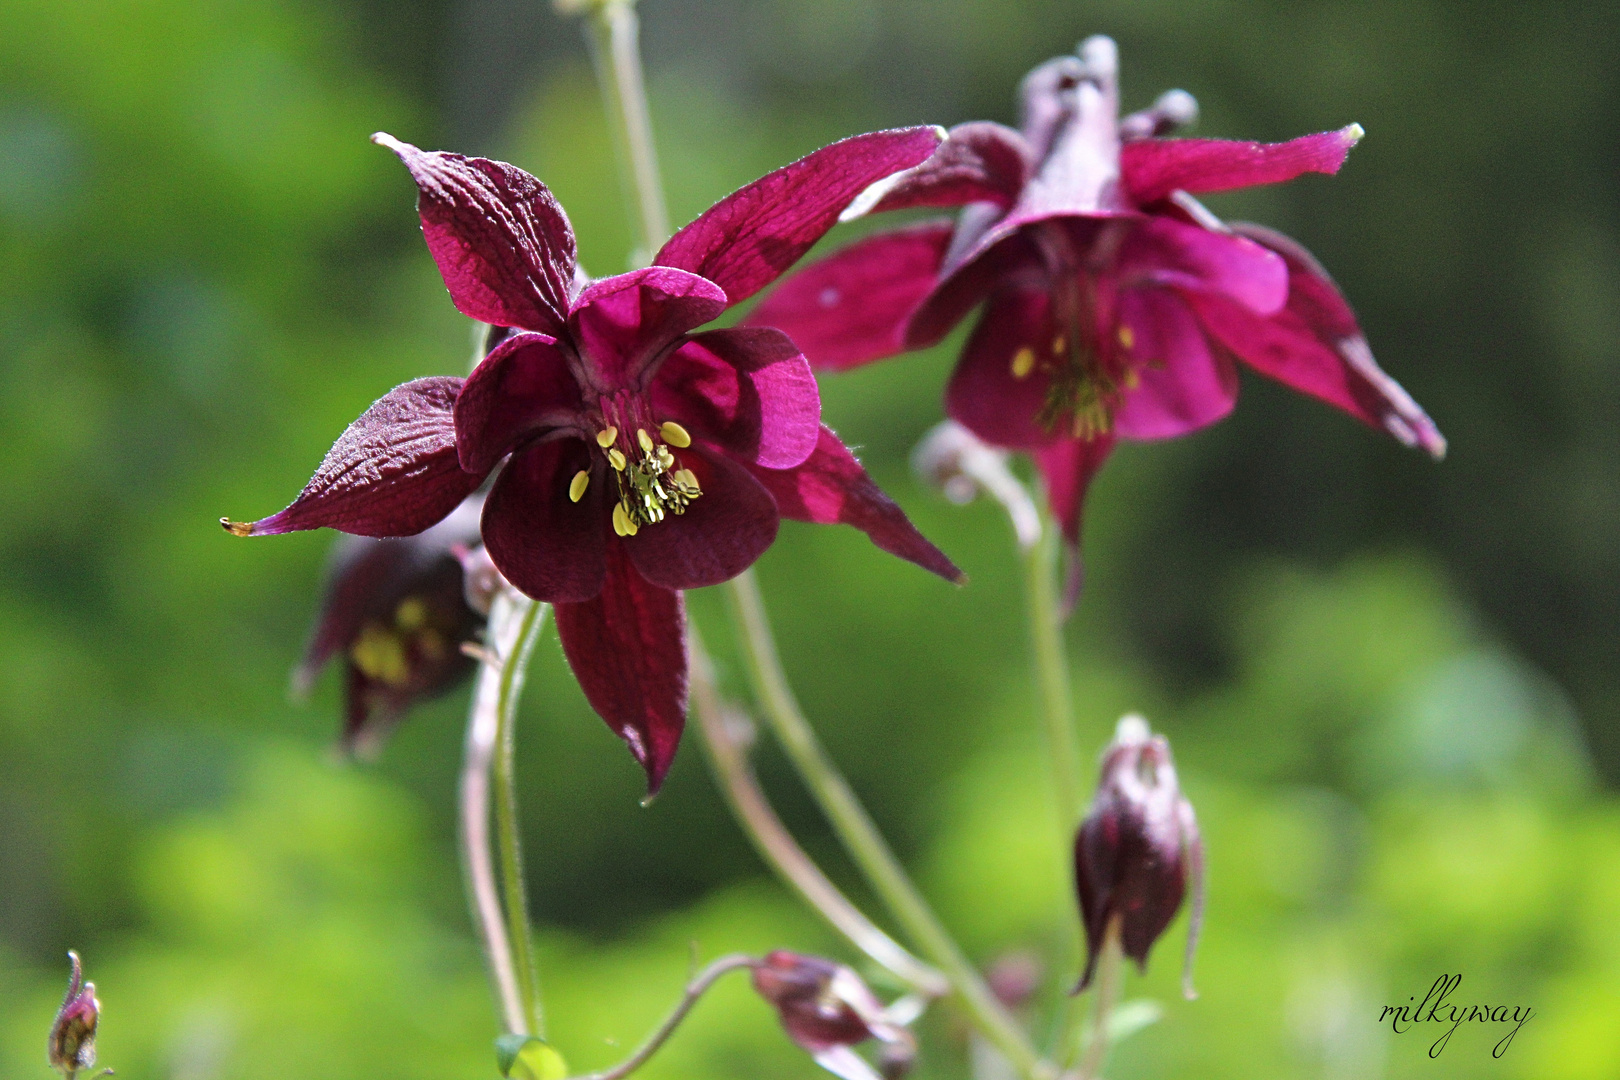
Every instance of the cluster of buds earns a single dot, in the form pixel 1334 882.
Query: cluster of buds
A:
pixel 1136 851
pixel 72 1045
pixel 827 1009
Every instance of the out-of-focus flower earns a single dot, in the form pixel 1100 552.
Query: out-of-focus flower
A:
pixel 960 464
pixel 641 458
pixel 828 1010
pixel 395 610
pixel 1114 303
pixel 72 1045
pixel 1136 849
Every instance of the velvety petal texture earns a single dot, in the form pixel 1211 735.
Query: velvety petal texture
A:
pixel 627 646
pixel 1169 252
pixel 1004 376
pixel 1179 383
pixel 978 162
pixel 720 534
pixel 747 389
pixel 746 240
pixel 622 324
pixel 393 472
pixel 1153 168
pixel 523 389
pixel 852 307
pixel 1068 467
pixel 502 242
pixel 543 542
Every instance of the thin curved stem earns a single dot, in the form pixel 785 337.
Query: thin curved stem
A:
pixel 613 30
pixel 726 736
pixel 860 836
pixel 1108 982
pixel 1052 672
pixel 694 990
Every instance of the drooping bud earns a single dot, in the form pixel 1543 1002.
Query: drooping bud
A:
pixel 960 464
pixel 1136 850
pixel 72 1045
pixel 397 612
pixel 1014 977
pixel 827 1009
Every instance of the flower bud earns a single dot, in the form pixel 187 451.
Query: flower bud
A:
pixel 958 463
pixel 72 1045
pixel 396 611
pixel 827 1009
pixel 1136 850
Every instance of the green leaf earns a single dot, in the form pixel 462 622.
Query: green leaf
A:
pixel 525 1057
pixel 1129 1017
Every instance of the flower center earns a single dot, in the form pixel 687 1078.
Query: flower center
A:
pixel 650 479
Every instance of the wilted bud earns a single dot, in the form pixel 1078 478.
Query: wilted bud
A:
pixel 397 612
pixel 72 1045
pixel 1136 849
pixel 960 464
pixel 827 1009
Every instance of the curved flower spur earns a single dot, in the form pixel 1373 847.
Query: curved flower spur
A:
pixel 641 458
pixel 1114 302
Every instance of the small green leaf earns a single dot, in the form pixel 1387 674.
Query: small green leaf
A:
pixel 524 1057
pixel 1129 1017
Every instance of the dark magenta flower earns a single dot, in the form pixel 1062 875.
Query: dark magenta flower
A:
pixel 72 1044
pixel 397 612
pixel 1136 850
pixel 641 457
pixel 827 1009
pixel 1114 303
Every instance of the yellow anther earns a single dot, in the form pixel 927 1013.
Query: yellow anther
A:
pixel 577 486
pixel 605 437
pixel 1127 337
pixel 674 434
pixel 645 440
pixel 621 521
pixel 412 614
pixel 1023 362
pixel 665 458
pixel 1132 379
pixel 1057 345
pixel 688 479
pixel 380 655
pixel 616 459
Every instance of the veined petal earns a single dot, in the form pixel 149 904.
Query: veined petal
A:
pixel 831 487
pixel 522 388
pixel 1068 468
pixel 1003 260
pixel 1169 252
pixel 721 533
pixel 1180 383
pixel 1153 168
pixel 622 324
pixel 748 389
pixel 547 545
pixel 502 242
pixel 979 161
pixel 627 647
pixel 1315 346
pixel 1001 383
pixel 851 307
pixel 393 472
pixel 746 240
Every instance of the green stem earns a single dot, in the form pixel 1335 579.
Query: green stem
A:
pixel 613 31
pixel 694 990
pixel 508 841
pixel 1052 672
pixel 860 836
pixel 1108 982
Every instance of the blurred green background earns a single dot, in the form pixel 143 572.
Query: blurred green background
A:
pixel 1393 687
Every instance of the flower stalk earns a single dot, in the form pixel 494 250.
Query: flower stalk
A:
pixel 613 30
pixel 1108 983
pixel 1052 672
pixel 694 990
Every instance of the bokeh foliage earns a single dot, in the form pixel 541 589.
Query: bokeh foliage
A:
pixel 1390 685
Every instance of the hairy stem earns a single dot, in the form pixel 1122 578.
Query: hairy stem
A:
pixel 860 836
pixel 727 732
pixel 613 30
pixel 694 990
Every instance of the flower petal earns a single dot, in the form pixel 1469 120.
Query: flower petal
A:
pixel 523 388
pixel 623 324
pixel 746 240
pixel 979 161
pixel 1181 383
pixel 1000 385
pixel 1008 261
pixel 1153 168
pixel 1068 468
pixel 832 488
pixel 748 389
pixel 851 307
pixel 393 472
pixel 544 543
pixel 502 242
pixel 627 647
pixel 1315 346
pixel 719 536
pixel 1169 252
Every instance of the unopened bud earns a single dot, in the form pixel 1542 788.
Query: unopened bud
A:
pixel 826 1008
pixel 1174 109
pixel 1136 849
pixel 72 1046
pixel 1014 977
pixel 958 463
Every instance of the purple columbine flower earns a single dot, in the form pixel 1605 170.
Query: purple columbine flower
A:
pixel 827 1009
pixel 72 1044
pixel 397 612
pixel 1114 302
pixel 641 457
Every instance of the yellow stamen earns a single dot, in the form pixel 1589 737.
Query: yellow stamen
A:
pixel 605 437
pixel 645 440
pixel 577 486
pixel 674 434
pixel 1127 337
pixel 1057 345
pixel 621 521
pixel 688 479
pixel 1023 362
pixel 616 459
pixel 380 655
pixel 412 614
pixel 1132 379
